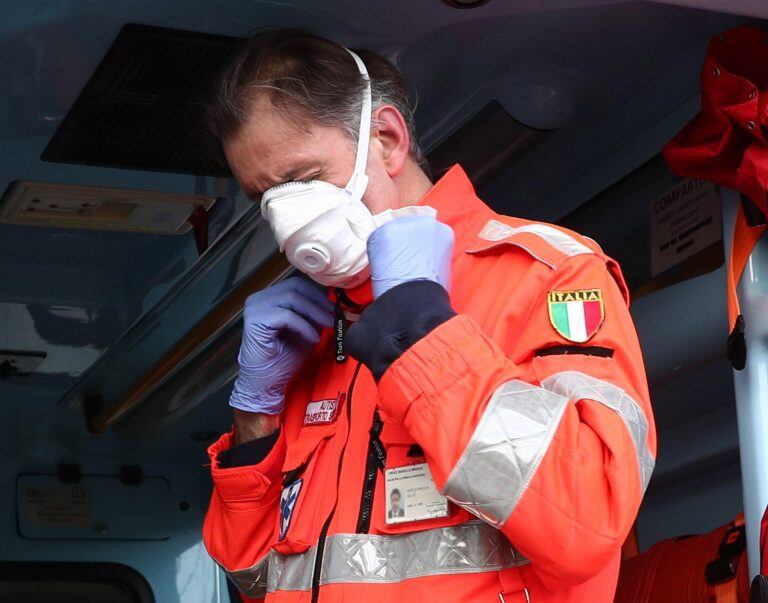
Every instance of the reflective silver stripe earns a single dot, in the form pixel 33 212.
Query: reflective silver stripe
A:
pixel 578 386
pixel 498 231
pixel 291 572
pixel 251 581
pixel 505 449
pixel 467 548
pixel 375 559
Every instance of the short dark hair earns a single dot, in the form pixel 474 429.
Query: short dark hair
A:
pixel 304 75
pixel 395 491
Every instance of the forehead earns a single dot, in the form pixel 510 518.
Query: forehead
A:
pixel 273 147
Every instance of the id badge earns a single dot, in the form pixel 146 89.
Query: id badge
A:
pixel 412 495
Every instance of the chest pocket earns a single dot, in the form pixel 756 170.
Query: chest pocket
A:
pixel 401 451
pixel 310 480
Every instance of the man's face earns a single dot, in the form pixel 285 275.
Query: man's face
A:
pixel 272 148
pixel 395 501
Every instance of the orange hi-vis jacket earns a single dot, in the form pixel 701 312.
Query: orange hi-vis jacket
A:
pixel 530 408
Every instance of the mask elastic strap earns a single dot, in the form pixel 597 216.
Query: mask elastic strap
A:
pixel 359 180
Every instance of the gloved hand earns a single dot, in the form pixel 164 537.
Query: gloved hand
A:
pixel 410 248
pixel 280 326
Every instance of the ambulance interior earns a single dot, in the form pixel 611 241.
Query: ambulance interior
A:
pixel 126 252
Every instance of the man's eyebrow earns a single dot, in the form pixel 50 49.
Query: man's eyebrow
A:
pixel 287 176
pixel 296 171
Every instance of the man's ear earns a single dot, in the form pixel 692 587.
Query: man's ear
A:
pixel 394 141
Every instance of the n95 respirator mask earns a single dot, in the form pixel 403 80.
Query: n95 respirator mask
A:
pixel 323 229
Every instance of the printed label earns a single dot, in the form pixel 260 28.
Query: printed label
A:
pixel 62 506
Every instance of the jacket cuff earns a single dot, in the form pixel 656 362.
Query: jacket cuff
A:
pixel 249 482
pixel 435 363
pixel 395 321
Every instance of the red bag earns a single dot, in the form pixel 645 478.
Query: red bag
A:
pixel 711 568
pixel 726 142
pixel 764 544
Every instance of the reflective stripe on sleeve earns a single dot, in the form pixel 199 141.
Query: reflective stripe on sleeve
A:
pixel 252 581
pixel 576 385
pixel 376 559
pixel 506 447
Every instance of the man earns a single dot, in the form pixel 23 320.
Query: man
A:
pixel 485 363
pixel 395 510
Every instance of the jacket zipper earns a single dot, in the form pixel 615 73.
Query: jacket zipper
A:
pixel 316 570
pixel 374 463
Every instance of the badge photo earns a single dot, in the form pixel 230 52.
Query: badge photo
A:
pixel 411 495
pixel 576 315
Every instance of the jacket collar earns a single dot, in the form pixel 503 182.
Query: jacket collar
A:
pixel 458 206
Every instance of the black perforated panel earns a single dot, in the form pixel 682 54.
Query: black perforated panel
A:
pixel 142 108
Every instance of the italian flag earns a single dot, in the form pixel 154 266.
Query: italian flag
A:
pixel 576 315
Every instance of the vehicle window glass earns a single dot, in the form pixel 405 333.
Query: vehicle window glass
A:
pixel 66 582
pixel 63 591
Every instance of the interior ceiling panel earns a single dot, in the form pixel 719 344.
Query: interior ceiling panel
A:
pixel 594 73
pixel 750 8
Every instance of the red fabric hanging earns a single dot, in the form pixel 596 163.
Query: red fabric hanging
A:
pixel 727 142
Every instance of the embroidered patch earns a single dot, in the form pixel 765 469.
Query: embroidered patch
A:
pixel 288 498
pixel 322 412
pixel 576 315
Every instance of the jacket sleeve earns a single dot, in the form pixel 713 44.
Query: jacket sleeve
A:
pixel 556 448
pixel 240 523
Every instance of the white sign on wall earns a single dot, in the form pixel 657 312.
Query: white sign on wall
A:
pixel 684 220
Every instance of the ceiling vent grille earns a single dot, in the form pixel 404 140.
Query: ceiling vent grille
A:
pixel 142 107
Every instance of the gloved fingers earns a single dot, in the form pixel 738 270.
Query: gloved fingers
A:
pixel 288 320
pixel 308 289
pixel 321 316
pixel 410 248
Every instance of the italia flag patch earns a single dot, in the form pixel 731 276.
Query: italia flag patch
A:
pixel 576 315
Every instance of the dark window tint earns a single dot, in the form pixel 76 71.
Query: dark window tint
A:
pixel 72 583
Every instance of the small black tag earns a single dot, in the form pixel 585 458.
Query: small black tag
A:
pixel 381 454
pixel 376 445
pixel 339 327
pixel 736 346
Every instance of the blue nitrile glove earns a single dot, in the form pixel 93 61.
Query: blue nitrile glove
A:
pixel 410 248
pixel 280 326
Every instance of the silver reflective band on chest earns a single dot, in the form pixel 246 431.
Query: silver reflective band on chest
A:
pixel 498 231
pixel 468 548
pixel 505 449
pixel 375 559
pixel 579 386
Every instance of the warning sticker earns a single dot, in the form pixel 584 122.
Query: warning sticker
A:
pixel 684 220
pixel 63 506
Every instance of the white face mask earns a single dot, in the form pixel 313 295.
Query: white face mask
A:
pixel 322 228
